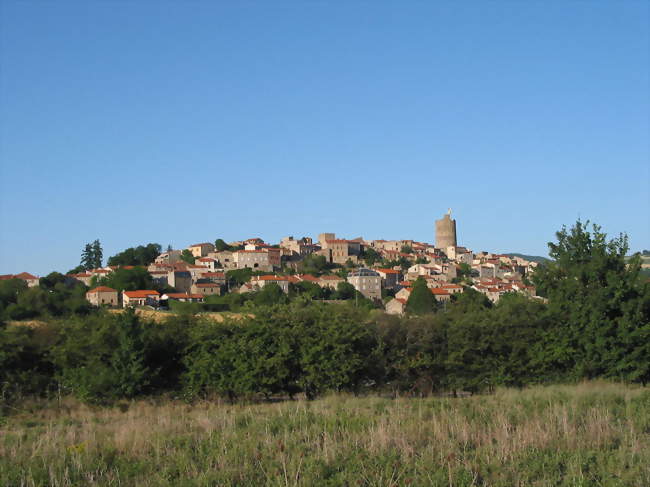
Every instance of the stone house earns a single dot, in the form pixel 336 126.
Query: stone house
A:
pixel 390 277
pixel 201 249
pixel 396 306
pixel 331 282
pixel 102 296
pixel 261 281
pixel 367 282
pixel 206 288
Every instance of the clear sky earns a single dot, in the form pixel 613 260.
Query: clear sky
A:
pixel 182 122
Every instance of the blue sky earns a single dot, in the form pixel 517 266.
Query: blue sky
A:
pixel 180 122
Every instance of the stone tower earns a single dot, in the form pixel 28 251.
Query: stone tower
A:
pixel 446 232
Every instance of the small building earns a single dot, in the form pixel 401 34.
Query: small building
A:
pixel 159 278
pixel 201 249
pixel 208 262
pixel 181 280
pixel 216 277
pixel 206 288
pixel 331 282
pixel 441 295
pixel 102 296
pixel 261 281
pixel 30 279
pixel 396 306
pixel 144 297
pixel 82 277
pixel 367 282
pixel 452 288
pixel 390 277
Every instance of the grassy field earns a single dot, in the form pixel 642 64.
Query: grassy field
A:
pixel 588 434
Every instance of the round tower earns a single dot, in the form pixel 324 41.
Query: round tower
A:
pixel 446 232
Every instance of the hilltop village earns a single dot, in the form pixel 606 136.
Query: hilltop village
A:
pixel 382 271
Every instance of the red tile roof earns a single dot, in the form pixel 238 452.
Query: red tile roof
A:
pixel 272 278
pixel 141 293
pixel 25 275
pixel 207 284
pixel 102 289
pixel 308 277
pixel 439 291
pixel 388 271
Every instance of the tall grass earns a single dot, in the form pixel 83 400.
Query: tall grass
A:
pixel 588 434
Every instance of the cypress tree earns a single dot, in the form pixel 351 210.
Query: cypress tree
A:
pixel 421 300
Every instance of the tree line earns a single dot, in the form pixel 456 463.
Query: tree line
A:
pixel 594 323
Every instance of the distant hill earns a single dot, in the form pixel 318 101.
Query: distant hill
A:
pixel 531 258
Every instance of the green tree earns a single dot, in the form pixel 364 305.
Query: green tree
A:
pixel 220 245
pixel 104 358
pixel 87 257
pixel 314 264
pixel 140 255
pixel 406 249
pixel 421 299
pixel 97 254
pixel 600 305
pixel 91 256
pixel 269 295
pixel 126 279
pixel 239 276
pixel 370 256
pixel 187 256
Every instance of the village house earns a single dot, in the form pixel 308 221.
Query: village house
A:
pixel 102 296
pixel 181 280
pixel 207 262
pixel 390 277
pixel 452 288
pixel 147 297
pixel 216 277
pixel 261 281
pixel 159 277
pixel 99 273
pixel 403 293
pixel 82 277
pixel 206 288
pixel 299 248
pixel 201 249
pixel 225 259
pixel 442 295
pixel 169 257
pixel 30 279
pixel 331 282
pixel 367 282
pixel 253 259
pixel 396 306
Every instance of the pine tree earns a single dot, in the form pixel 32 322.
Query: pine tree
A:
pixel 87 260
pixel 97 254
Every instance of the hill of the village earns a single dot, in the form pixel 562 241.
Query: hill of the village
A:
pixel 531 258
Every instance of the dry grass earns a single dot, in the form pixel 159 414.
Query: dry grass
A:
pixel 161 316
pixel 589 434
